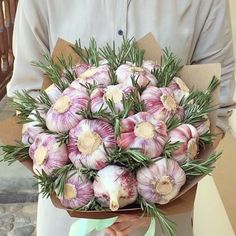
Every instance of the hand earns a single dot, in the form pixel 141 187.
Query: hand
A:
pixel 219 136
pixel 125 224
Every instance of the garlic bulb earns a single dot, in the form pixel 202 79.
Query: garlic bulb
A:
pixel 150 65
pixel 143 76
pixel 161 181
pixel 78 191
pixel 31 130
pixel 80 69
pixel 53 93
pixel 144 132
pixel 160 102
pixel 203 127
pixel 113 92
pixel 115 187
pixel 98 75
pixel 188 136
pixel 87 141
pixel 47 154
pixel 62 116
pixel 179 88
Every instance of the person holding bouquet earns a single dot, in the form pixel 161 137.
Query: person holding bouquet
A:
pixel 196 31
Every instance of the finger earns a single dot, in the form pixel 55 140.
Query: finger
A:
pixel 110 231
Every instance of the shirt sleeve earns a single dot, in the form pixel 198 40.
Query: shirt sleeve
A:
pixel 215 44
pixel 30 40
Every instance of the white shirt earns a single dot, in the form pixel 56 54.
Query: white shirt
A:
pixel 197 31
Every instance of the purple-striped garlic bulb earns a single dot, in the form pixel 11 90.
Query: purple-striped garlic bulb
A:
pixel 114 92
pixel 47 154
pixel 160 102
pixel 32 129
pixel 53 93
pixel 203 127
pixel 189 138
pixel 150 65
pixel 94 75
pixel 142 75
pixel 144 132
pixel 161 181
pixel 115 187
pixel 80 69
pixel 179 88
pixel 87 141
pixel 78 191
pixel 62 116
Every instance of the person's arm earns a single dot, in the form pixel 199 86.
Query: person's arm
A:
pixel 30 40
pixel 215 44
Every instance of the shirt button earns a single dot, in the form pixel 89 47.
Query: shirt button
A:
pixel 120 32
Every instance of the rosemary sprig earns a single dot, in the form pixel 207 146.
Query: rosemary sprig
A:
pixel 168 69
pixel 52 70
pixel 44 100
pixel 90 173
pixel 46 183
pixel 206 139
pixel 172 123
pixel 12 153
pixel 66 66
pixel 62 176
pixel 200 167
pixel 151 210
pixel 198 104
pixel 93 205
pixel 138 105
pixel 136 54
pixel 89 55
pixel 132 158
pixel 169 148
pixel 23 103
pixel 135 84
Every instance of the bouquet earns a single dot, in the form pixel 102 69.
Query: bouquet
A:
pixel 116 130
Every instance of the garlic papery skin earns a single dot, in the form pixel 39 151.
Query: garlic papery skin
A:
pixel 47 154
pixel 80 69
pixel 189 138
pixel 144 132
pixel 32 129
pixel 62 116
pixel 143 76
pixel 112 92
pixel 87 141
pixel 179 88
pixel 203 127
pixel 115 187
pixel 94 75
pixel 160 102
pixel 161 181
pixel 78 191
pixel 150 65
pixel 53 93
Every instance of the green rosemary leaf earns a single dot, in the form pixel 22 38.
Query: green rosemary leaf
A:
pixel 66 66
pixel 79 50
pixel 92 205
pixel 169 148
pixel 44 100
pixel 46 183
pixel 136 54
pixel 52 70
pixel 200 167
pixel 12 153
pixel 206 139
pixel 24 104
pixel 151 210
pixel 172 123
pixel 90 173
pixel 169 67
